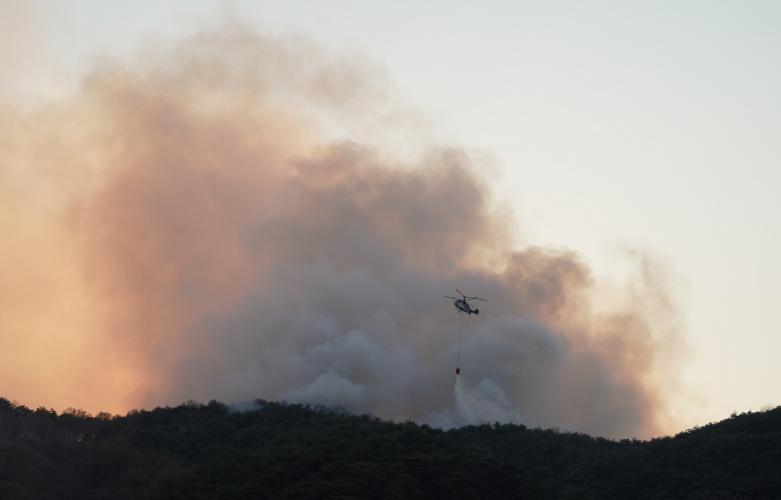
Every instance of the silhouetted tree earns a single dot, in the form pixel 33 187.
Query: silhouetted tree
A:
pixel 198 451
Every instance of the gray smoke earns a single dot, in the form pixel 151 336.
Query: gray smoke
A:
pixel 235 250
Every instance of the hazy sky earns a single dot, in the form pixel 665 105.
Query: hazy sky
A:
pixel 651 125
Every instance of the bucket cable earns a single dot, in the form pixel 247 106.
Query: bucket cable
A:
pixel 460 334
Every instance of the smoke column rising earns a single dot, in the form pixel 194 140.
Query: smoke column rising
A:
pixel 186 227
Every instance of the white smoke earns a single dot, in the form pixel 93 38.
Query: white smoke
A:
pixel 224 247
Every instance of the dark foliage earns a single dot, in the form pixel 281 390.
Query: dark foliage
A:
pixel 197 451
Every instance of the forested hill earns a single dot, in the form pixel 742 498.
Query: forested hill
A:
pixel 289 451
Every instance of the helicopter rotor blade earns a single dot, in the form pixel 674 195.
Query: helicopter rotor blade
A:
pixel 449 297
pixel 476 298
pixel 460 292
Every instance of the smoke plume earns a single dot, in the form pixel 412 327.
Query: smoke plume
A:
pixel 210 222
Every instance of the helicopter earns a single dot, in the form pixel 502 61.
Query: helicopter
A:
pixel 462 304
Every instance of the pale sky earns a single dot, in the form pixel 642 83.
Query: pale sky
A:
pixel 614 123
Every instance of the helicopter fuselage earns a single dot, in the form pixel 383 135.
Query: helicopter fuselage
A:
pixel 463 306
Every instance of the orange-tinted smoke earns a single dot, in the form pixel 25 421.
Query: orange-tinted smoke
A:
pixel 184 227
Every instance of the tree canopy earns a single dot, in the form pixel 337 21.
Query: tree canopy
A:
pixel 211 451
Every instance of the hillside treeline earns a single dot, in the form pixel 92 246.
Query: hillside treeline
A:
pixel 209 451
